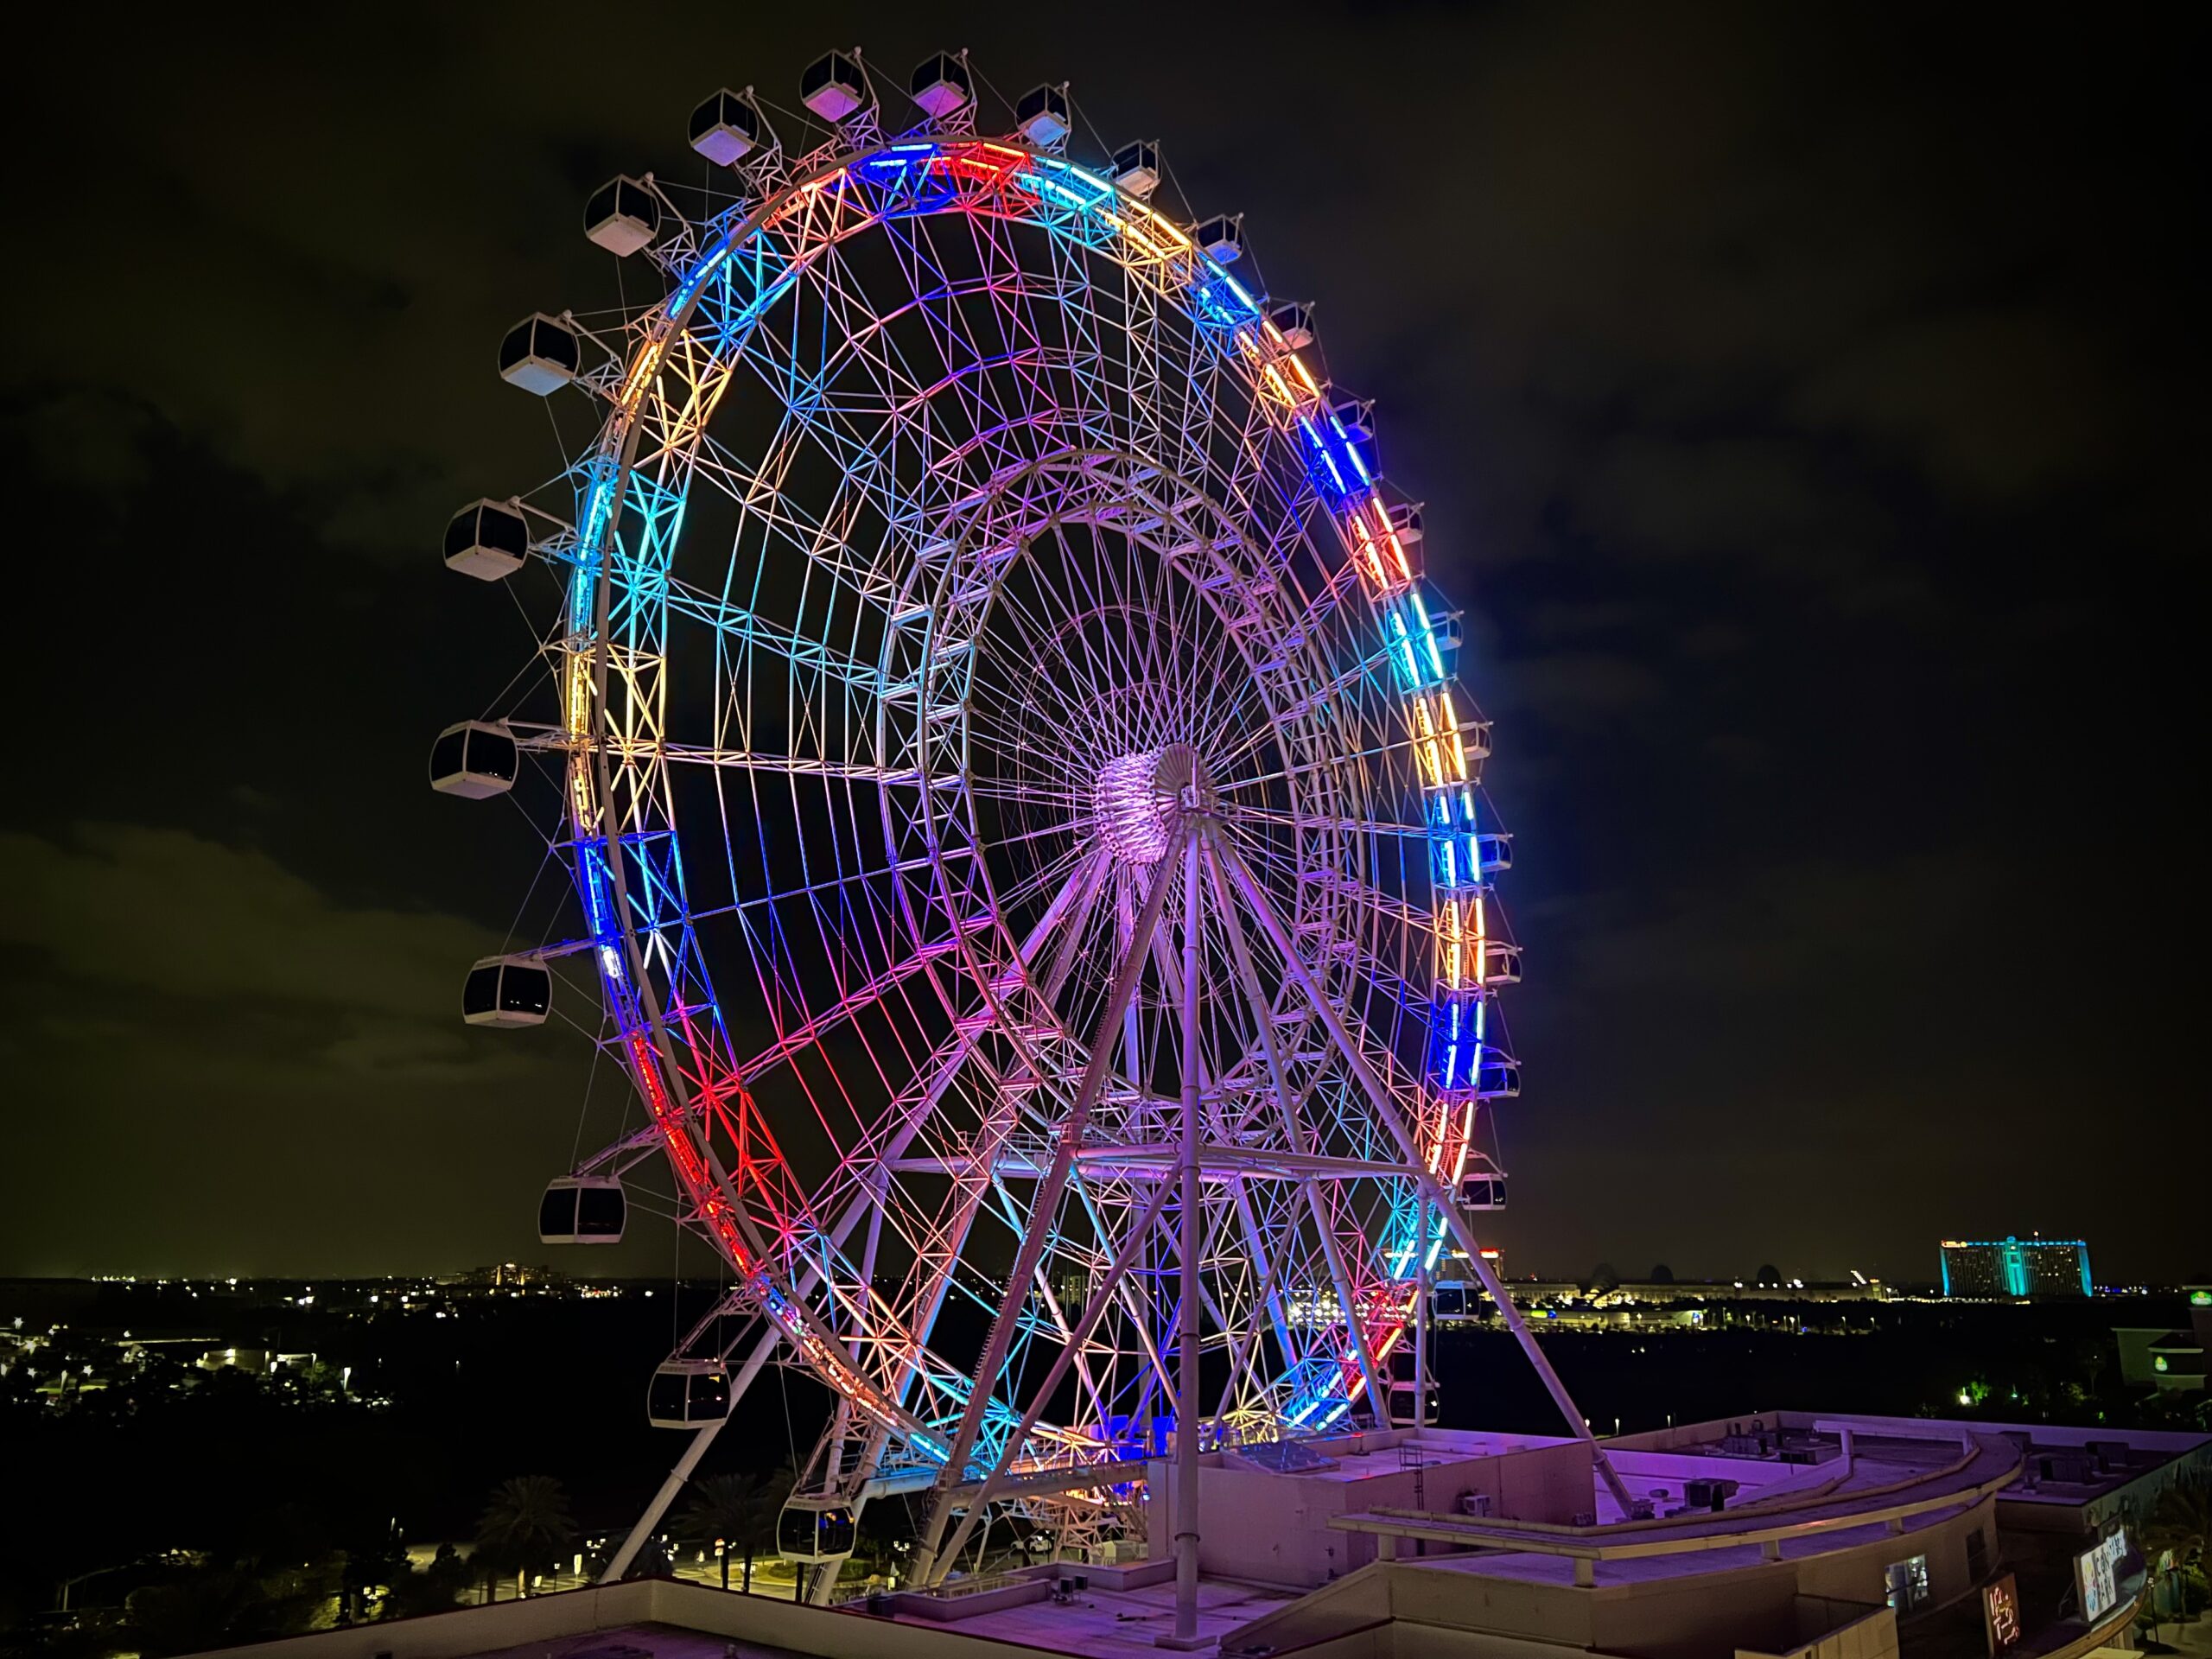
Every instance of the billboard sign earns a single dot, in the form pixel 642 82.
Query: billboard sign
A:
pixel 2000 1614
pixel 2097 1569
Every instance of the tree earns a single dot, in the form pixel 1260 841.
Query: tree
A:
pixel 205 1610
pixel 736 1513
pixel 1603 1279
pixel 524 1526
pixel 375 1561
pixel 1770 1274
pixel 2092 1355
pixel 434 1589
pixel 1662 1274
pixel 2181 1521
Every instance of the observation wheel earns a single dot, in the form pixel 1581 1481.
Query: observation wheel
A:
pixel 1025 828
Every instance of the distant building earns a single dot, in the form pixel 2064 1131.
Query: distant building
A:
pixel 2171 1360
pixel 2153 1356
pixel 1993 1269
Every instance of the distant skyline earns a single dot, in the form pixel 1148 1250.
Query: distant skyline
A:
pixel 1805 408
pixel 633 1260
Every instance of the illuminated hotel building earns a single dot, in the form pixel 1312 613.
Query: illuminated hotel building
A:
pixel 1994 1269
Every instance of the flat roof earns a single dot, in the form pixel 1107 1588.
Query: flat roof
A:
pixel 1373 1456
pixel 642 1641
pixel 2131 1453
pixel 1118 1621
pixel 1938 1476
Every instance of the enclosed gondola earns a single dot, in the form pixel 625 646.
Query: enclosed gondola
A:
pixel 539 354
pixel 582 1209
pixel 1493 853
pixel 1041 116
pixel 1454 1298
pixel 508 992
pixel 815 1528
pixel 1501 963
pixel 1482 1189
pixel 833 85
pixel 488 540
pixel 940 86
pixel 725 128
pixel 1355 418
pixel 623 215
pixel 1497 1076
pixel 1411 1396
pixel 474 759
pixel 1223 236
pixel 688 1394
pixel 1136 168
pixel 1294 322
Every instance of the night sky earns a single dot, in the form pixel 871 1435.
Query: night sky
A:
pixel 1806 401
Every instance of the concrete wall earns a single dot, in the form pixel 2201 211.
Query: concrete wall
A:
pixel 817 1632
pixel 1756 1604
pixel 1689 1617
pixel 1833 1630
pixel 1274 1528
pixel 1860 1573
pixel 1549 1484
pixel 472 1629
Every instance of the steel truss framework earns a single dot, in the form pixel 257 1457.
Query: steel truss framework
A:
pixel 1024 821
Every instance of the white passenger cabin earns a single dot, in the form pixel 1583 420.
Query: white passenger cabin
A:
pixel 582 1209
pixel 623 215
pixel 940 87
pixel 508 992
pixel 539 354
pixel 1501 963
pixel 725 128
pixel 815 1528
pixel 1041 116
pixel 688 1394
pixel 1497 1076
pixel 833 87
pixel 474 759
pixel 488 540
pixel 1136 168
pixel 1294 322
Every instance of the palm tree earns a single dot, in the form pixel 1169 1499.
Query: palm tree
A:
pixel 2181 1521
pixel 527 1525
pixel 734 1513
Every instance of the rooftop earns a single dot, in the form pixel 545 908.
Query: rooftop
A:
pixel 1826 1531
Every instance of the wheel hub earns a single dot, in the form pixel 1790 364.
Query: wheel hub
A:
pixel 1141 798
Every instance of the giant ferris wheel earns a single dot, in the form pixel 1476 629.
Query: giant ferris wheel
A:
pixel 1028 849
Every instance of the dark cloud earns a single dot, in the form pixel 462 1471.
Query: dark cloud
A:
pixel 1805 400
pixel 169 912
pixel 222 1069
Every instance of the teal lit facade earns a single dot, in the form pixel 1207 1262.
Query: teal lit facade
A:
pixel 1994 1269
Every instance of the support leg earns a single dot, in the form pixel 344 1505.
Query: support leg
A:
pixel 1386 1109
pixel 1186 1381
pixel 1044 1206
